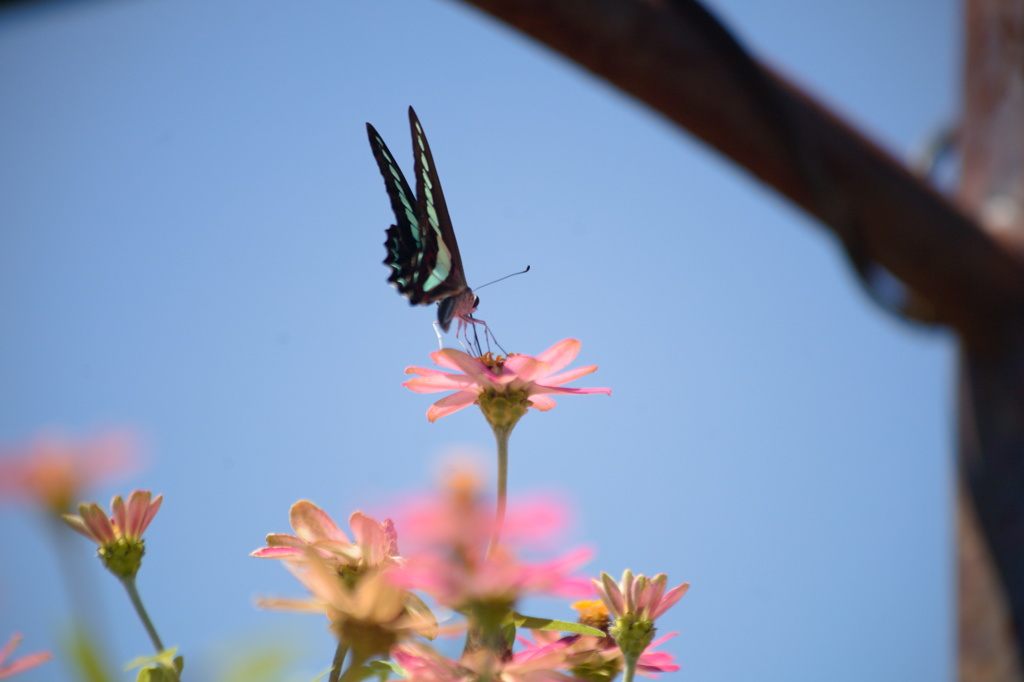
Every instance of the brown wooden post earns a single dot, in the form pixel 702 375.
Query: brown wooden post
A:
pixel 991 405
pixel 678 59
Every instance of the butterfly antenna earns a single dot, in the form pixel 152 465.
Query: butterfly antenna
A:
pixel 521 272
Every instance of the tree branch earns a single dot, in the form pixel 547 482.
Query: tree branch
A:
pixel 677 58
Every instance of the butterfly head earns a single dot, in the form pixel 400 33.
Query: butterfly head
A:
pixel 456 307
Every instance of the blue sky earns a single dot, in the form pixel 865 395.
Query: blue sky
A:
pixel 191 230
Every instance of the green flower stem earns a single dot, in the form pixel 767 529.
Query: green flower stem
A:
pixel 353 672
pixel 339 658
pixel 88 635
pixel 501 435
pixel 133 595
pixel 630 668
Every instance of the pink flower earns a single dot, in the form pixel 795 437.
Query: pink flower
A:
pixel 23 663
pixel 520 378
pixel 461 515
pixel 634 604
pixel 371 601
pixel 54 471
pixel 129 521
pixel 450 532
pixel 458 582
pixel 423 664
pixel 585 655
pixel 348 581
pixel 638 597
pixel 376 544
pixel 366 611
pixel 119 537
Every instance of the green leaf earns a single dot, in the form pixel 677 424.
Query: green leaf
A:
pixel 532 623
pixel 259 659
pixel 383 669
pixel 508 631
pixel 85 655
pixel 163 667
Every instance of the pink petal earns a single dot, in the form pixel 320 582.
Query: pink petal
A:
pixel 78 524
pixel 369 536
pixel 26 662
pixel 139 511
pixel 634 592
pixel 151 509
pixel 542 402
pixel 560 354
pixel 440 382
pixel 524 368
pixel 285 540
pixel 450 404
pixel 611 595
pixel 277 553
pixel 97 522
pixel 426 371
pixel 657 590
pixel 457 360
pixel 569 375
pixel 311 523
pixel 390 538
pixel 558 390
pixel 670 599
pixel 9 646
pixel 117 506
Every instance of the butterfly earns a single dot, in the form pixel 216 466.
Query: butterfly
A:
pixel 421 249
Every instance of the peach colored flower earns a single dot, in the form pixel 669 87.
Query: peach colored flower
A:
pixel 375 546
pixel 23 663
pixel 54 471
pixel 119 536
pixel 518 378
pixel 367 612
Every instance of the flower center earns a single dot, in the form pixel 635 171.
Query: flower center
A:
pixel 593 613
pixel 495 363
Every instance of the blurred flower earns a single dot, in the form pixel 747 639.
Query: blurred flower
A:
pixel 450 563
pixel 119 537
pixel 368 613
pixel 54 471
pixel 348 581
pixel 457 514
pixel 375 546
pixel 504 387
pixel 23 663
pixel 599 659
pixel 423 664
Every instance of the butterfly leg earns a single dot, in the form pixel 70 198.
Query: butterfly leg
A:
pixel 440 341
pixel 465 322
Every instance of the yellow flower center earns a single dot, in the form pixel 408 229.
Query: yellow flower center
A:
pixel 495 363
pixel 593 613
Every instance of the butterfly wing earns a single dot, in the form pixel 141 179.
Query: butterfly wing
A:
pixel 410 252
pixel 421 249
pixel 447 277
